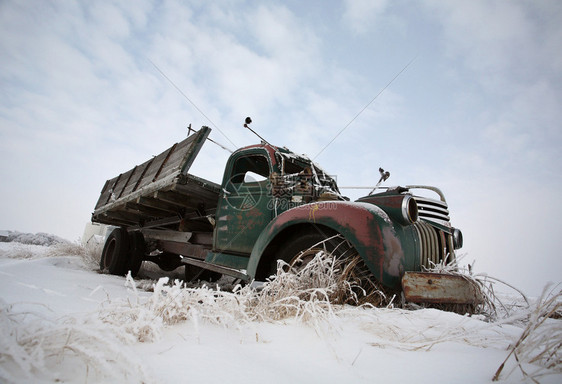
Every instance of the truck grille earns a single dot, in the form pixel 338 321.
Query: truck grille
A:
pixel 433 210
pixel 432 244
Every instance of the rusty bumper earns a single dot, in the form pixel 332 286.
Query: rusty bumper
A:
pixel 427 287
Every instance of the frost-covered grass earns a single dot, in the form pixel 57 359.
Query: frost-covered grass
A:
pixel 307 296
pixel 89 253
pixel 44 239
pixel 41 345
pixel 492 305
pixel 540 343
pixel 313 296
pixel 34 347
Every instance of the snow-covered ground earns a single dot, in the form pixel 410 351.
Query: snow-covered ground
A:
pixel 62 321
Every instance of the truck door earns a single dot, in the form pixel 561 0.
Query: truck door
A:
pixel 244 208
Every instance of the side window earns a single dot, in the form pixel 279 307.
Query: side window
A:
pixel 250 169
pixel 252 177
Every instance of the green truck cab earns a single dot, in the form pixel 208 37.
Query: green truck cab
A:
pixel 272 204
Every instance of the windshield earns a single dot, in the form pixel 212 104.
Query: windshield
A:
pixel 300 175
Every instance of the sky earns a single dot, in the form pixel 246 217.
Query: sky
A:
pixel 460 95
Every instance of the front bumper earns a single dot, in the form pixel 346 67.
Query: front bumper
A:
pixel 440 288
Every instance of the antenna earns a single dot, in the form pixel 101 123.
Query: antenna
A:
pixel 246 125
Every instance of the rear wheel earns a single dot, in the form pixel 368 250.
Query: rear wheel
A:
pixel 115 252
pixel 137 250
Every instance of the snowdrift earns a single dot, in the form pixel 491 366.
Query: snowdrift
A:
pixel 62 321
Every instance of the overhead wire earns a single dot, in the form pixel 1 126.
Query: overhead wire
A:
pixel 196 107
pixel 366 106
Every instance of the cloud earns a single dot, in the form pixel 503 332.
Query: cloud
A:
pixel 359 15
pixel 505 48
pixel 477 113
pixel 82 100
pixel 502 39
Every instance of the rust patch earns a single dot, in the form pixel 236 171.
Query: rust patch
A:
pixel 394 255
pixel 311 213
pixel 353 218
pixel 426 287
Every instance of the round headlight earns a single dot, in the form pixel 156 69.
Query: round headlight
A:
pixel 457 238
pixel 409 209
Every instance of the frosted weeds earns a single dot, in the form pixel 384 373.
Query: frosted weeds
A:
pixel 492 306
pixel 309 296
pixel 287 296
pixel 19 251
pixel 43 239
pixel 538 350
pixel 89 254
pixel 540 342
pixel 171 304
pixel 36 347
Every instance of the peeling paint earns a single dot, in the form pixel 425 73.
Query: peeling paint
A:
pixel 394 255
pixel 311 213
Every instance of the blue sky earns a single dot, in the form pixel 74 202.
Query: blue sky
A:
pixel 477 113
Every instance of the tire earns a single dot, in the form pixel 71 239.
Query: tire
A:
pixel 300 250
pixel 115 252
pixel 194 273
pixel 309 244
pixel 137 250
pixel 168 261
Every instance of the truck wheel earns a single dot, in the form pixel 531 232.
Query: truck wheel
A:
pixel 137 250
pixel 300 250
pixel 194 273
pixel 115 252
pixel 168 261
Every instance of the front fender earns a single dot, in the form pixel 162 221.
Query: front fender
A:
pixel 386 247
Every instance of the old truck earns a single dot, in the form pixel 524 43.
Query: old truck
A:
pixel 272 205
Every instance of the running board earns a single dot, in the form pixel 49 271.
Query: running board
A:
pixel 216 268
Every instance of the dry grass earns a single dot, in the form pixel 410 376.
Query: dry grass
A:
pixel 314 290
pixel 19 252
pixel 538 351
pixel 318 294
pixel 36 348
pixel 313 295
pixel 90 253
pixel 343 273
pixel 490 305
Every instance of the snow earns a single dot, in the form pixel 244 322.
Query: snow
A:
pixel 62 321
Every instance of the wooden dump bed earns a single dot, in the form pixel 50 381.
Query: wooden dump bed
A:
pixel 160 191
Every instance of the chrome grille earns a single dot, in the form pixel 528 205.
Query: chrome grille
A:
pixel 433 210
pixel 432 244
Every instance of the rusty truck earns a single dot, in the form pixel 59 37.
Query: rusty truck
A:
pixel 272 205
